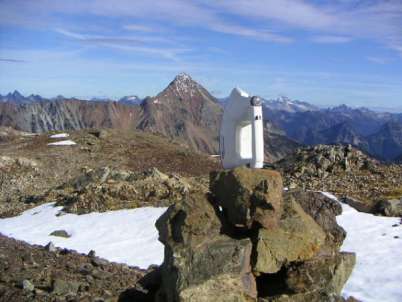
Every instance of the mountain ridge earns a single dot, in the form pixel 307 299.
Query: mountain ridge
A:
pixel 185 110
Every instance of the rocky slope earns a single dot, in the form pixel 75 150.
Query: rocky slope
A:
pixel 387 142
pixel 276 144
pixel 106 189
pixel 70 114
pixel 29 167
pixel 360 180
pixel 33 273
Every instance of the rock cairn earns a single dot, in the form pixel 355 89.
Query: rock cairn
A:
pixel 247 241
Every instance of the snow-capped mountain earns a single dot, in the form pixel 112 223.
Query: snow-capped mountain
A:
pixel 284 103
pixel 131 100
pixel 15 97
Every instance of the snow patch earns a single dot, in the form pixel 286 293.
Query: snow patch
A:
pixel 378 272
pixel 125 236
pixel 60 135
pixel 63 143
pixel 329 195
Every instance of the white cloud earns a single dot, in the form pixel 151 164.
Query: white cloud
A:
pixel 292 12
pixel 139 27
pixel 279 21
pixel 378 60
pixel 257 34
pixel 331 39
pixel 135 44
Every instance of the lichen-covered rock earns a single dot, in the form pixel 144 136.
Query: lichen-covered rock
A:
pixel 392 207
pixel 63 287
pixel 313 296
pixel 200 264
pixel 297 238
pixel 245 242
pixel 60 233
pixel 189 222
pixel 248 196
pixel 328 273
pixel 324 211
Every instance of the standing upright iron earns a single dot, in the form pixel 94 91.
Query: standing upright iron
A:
pixel 242 133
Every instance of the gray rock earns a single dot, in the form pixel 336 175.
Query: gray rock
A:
pixel 50 247
pixel 63 287
pixel 99 133
pixel 99 261
pixel 323 273
pixel 91 253
pixel 357 204
pixel 28 286
pixel 390 208
pixel 26 163
pixel 60 233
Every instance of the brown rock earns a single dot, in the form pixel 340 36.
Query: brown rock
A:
pixel 321 273
pixel 248 196
pixel 297 238
pixel 200 264
pixel 324 211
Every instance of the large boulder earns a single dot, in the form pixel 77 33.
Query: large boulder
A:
pixel 297 238
pixel 201 264
pixel 391 208
pixel 328 273
pixel 313 296
pixel 248 196
pixel 324 211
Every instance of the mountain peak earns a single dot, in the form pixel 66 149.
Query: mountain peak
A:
pixel 17 93
pixel 182 76
pixel 183 85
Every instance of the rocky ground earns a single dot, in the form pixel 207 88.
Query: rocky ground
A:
pixel 33 273
pixel 31 171
pixel 207 223
pixel 361 181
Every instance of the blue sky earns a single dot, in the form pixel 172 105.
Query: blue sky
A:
pixel 323 52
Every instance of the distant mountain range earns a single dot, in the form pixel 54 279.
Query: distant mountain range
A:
pixel 186 111
pixel 18 98
pixel 282 103
pixel 376 133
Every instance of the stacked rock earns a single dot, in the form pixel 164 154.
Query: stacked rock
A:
pixel 247 241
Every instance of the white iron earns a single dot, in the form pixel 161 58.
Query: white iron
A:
pixel 242 133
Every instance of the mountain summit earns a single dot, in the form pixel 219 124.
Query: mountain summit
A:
pixel 184 86
pixel 186 110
